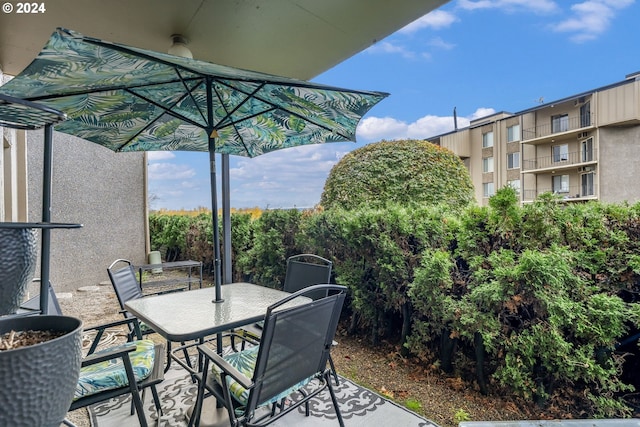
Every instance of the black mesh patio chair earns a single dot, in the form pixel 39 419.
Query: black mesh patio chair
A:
pixel 127 288
pixel 303 270
pixel 259 385
pixel 120 369
pixel 110 372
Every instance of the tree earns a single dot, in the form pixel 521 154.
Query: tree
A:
pixel 405 172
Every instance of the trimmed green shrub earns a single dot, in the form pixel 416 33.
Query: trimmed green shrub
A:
pixel 274 240
pixel 539 295
pixel 375 252
pixel 408 173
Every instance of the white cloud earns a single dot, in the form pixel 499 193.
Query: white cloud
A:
pixel 377 128
pixel 170 171
pixel 441 44
pixel 482 112
pixel 428 126
pixel 154 156
pixel 391 48
pixel 276 178
pixel 434 20
pixel 591 18
pixel 537 6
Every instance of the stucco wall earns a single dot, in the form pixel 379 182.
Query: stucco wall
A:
pixel 98 188
pixel 619 157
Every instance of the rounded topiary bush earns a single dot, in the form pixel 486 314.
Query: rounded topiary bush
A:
pixel 404 172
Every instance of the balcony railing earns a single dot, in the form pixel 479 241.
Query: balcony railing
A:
pixel 568 125
pixel 573 192
pixel 560 160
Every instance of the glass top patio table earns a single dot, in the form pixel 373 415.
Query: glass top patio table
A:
pixel 191 315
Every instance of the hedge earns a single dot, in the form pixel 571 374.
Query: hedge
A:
pixel 538 301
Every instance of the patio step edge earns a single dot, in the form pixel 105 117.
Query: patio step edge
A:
pixel 613 422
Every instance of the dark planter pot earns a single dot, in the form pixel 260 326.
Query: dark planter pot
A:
pixel 38 381
pixel 18 254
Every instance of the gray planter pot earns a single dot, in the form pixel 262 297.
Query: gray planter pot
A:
pixel 18 254
pixel 38 381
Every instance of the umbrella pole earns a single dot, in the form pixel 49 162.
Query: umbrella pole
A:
pixel 46 218
pixel 226 221
pixel 214 216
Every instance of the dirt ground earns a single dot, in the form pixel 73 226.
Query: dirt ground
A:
pixel 425 390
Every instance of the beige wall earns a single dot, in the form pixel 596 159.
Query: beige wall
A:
pixel 98 188
pixel 619 170
pixel 619 104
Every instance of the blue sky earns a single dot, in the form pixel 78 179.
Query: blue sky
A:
pixel 478 56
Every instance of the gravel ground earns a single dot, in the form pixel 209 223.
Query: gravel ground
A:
pixel 426 390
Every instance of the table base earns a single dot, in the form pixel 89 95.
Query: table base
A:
pixel 211 416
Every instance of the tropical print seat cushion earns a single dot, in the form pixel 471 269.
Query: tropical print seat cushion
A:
pixel 145 329
pixel 245 362
pixel 110 374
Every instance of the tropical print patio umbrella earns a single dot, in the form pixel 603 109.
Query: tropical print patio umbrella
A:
pixel 131 99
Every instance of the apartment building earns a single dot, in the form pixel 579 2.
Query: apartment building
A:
pixel 583 147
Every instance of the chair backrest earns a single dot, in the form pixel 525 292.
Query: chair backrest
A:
pixel 295 342
pixel 305 270
pixel 34 302
pixel 124 282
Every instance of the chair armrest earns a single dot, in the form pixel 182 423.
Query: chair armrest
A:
pixel 112 324
pixel 109 354
pixel 100 329
pixel 226 367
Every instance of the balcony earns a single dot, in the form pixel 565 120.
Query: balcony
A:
pixel 561 161
pixel 574 193
pixel 567 127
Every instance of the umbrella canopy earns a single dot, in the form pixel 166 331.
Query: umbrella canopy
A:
pixel 130 99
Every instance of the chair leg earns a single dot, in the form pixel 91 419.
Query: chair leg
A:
pixel 194 420
pixel 187 359
pixel 135 394
pixel 138 405
pixel 156 401
pixel 335 401
pixel 333 370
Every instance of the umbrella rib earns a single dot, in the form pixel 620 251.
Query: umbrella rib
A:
pixel 232 123
pixel 273 107
pixel 165 109
pixel 248 96
pixel 190 93
pixel 94 90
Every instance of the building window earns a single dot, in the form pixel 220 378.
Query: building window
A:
pixel 487 189
pixel 560 183
pixel 587 150
pixel 515 184
pixel 487 139
pixel 560 123
pixel 513 160
pixel 560 153
pixel 487 164
pixel 585 115
pixel 513 133
pixel 588 188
